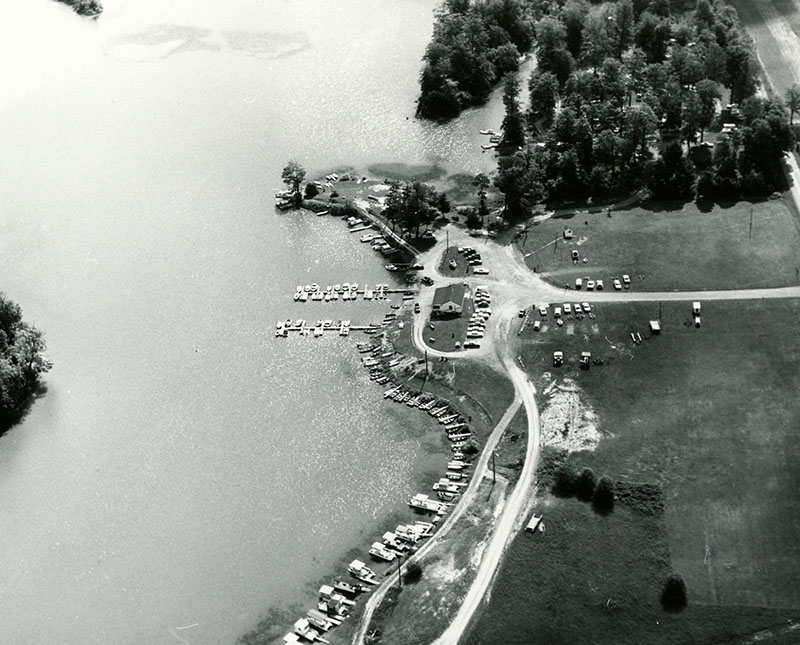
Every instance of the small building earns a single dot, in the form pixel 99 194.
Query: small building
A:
pixel 568 234
pixel 655 326
pixel 449 300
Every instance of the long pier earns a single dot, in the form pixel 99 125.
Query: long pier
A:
pixel 314 293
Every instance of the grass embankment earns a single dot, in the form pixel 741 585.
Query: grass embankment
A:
pixel 675 250
pixel 708 415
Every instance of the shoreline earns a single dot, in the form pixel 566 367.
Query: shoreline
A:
pixel 278 621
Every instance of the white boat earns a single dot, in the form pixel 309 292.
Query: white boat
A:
pixel 362 572
pixel 303 629
pixel 425 503
pixel 303 296
pixel 329 594
pixel 297 295
pixel 378 550
pixel 390 267
pixel 345 587
pixel 445 487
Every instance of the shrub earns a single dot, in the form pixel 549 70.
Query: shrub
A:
pixel 565 481
pixel 673 597
pixel 585 485
pixel 311 191
pixel 413 574
pixel 603 499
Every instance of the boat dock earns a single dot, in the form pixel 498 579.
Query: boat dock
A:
pixel 349 291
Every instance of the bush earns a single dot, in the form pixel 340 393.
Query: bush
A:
pixel 673 597
pixel 603 499
pixel 473 219
pixel 586 484
pixel 565 482
pixel 471 448
pixel 413 574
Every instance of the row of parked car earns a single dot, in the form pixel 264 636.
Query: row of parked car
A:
pixel 477 321
pixel 591 285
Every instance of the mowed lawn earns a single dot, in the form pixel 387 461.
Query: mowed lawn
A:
pixel 597 580
pixel 710 414
pixel 670 250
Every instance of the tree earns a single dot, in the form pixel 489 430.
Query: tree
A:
pixel 482 182
pixel 603 499
pixel 793 100
pixel 742 69
pixel 552 54
pixel 413 573
pixel 543 92
pixel 640 123
pixel 623 21
pixel 673 596
pixel 293 175
pixel 708 93
pixel 565 481
pixel 574 17
pixel 586 485
pixel 513 130
pixel 596 43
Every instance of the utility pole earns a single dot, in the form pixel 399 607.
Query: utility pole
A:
pixel 399 575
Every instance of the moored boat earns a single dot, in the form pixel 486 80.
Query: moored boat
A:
pixel 379 551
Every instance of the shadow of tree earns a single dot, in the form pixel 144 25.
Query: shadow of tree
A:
pixel 10 419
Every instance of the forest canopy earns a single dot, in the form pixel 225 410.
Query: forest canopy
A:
pixel 621 99
pixel 22 360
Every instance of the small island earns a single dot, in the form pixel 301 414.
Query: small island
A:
pixel 22 361
pixel 85 7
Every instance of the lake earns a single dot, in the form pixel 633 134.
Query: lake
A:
pixel 184 466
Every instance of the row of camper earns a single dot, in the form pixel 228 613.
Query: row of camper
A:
pixel 336 600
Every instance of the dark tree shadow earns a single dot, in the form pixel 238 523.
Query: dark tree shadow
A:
pixel 10 419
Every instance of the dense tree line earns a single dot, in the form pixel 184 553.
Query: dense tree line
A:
pixel 622 97
pixel 85 7
pixel 21 360
pixel 414 206
pixel 474 45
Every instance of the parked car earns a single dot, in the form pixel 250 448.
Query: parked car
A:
pixel 567 308
pixel 480 271
pixel 578 308
pixel 586 307
pixel 617 284
pixel 537 325
pixel 599 285
pixel 426 280
pixel 590 285
pixel 578 283
pixel 626 279
pixel 543 310
pixel 558 359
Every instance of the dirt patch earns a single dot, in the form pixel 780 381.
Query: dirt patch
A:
pixel 568 422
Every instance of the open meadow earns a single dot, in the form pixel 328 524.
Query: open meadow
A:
pixel 672 250
pixel 707 415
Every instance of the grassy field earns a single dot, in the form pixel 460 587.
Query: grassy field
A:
pixel 597 580
pixel 708 414
pixel 671 250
